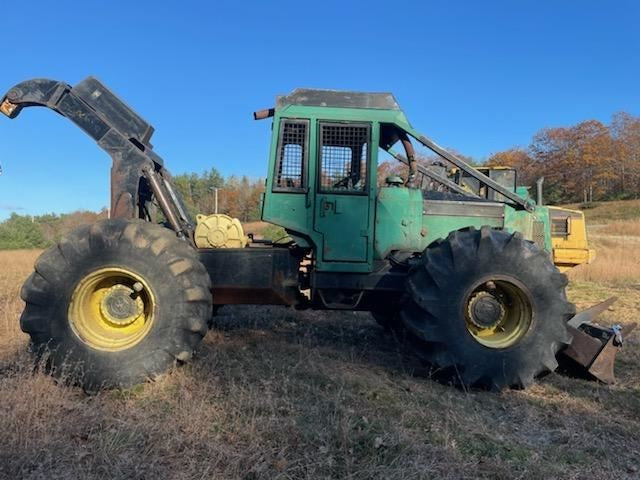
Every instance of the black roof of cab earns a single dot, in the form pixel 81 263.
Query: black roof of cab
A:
pixel 338 98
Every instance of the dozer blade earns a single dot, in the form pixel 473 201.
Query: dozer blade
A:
pixel 593 347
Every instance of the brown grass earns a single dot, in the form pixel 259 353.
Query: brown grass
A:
pixel 607 212
pixel 617 257
pixel 624 228
pixel 14 267
pixel 276 393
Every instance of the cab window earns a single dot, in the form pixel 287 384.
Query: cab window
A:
pixel 343 157
pixel 292 154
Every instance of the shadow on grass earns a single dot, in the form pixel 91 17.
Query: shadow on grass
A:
pixel 277 393
pixel 350 337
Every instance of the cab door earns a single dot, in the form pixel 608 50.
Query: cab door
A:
pixel 342 204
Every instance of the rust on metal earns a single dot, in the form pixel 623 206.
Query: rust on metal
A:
pixel 583 348
pixel 163 201
pixel 122 199
pixel 122 205
pixel 602 365
pixel 593 349
pixel 8 108
pixel 246 296
pixel 263 114
pixel 411 156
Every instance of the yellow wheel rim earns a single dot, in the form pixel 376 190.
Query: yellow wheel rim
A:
pixel 112 309
pixel 498 313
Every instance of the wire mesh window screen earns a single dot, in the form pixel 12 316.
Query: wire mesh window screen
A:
pixel 291 156
pixel 343 160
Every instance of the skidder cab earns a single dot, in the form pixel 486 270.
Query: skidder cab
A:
pixel 463 263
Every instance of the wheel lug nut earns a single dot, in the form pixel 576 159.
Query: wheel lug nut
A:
pixel 137 287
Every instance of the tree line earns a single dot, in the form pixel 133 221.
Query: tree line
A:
pixel 589 161
pixel 237 196
pixel 586 162
pixel 41 231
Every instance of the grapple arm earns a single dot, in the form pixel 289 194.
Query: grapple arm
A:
pixel 137 171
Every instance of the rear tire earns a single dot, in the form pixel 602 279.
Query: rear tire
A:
pixel 487 309
pixel 116 303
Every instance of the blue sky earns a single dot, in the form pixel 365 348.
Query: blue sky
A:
pixel 476 76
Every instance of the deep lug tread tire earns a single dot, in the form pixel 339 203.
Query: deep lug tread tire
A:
pixel 436 290
pixel 170 266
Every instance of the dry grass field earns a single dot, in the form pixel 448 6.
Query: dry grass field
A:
pixel 275 393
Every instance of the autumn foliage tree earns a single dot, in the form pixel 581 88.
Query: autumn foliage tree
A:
pixel 581 163
pixel 625 132
pixel 237 196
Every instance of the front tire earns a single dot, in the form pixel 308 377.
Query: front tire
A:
pixel 487 309
pixel 116 303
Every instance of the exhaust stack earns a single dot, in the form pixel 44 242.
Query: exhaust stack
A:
pixel 539 183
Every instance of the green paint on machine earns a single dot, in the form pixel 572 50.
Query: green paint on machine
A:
pixel 323 188
pixel 483 303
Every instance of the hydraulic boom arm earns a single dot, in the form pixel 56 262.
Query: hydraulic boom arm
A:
pixel 137 172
